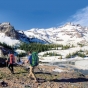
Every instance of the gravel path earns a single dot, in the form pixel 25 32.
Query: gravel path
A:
pixel 46 78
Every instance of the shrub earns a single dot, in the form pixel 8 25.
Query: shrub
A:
pixel 77 53
pixel 65 47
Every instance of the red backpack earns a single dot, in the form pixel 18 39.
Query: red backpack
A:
pixel 12 59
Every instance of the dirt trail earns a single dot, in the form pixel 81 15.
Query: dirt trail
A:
pixel 46 78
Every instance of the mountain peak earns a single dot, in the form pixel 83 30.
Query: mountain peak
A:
pixel 69 23
pixel 8 30
pixel 72 24
pixel 5 23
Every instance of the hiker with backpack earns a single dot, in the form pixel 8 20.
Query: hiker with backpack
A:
pixel 11 61
pixel 33 60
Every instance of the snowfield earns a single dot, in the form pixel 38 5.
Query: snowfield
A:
pixel 8 40
pixel 64 52
pixel 80 63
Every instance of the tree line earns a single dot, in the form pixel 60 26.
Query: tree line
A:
pixel 6 46
pixel 38 47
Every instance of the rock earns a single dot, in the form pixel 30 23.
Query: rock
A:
pixel 8 30
pixel 3 84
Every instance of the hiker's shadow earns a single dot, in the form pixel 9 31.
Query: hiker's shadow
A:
pixel 41 80
pixel 71 80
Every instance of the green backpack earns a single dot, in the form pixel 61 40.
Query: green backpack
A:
pixel 35 59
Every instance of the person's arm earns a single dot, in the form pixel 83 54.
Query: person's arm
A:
pixel 8 59
pixel 28 59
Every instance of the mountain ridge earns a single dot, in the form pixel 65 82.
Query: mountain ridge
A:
pixel 68 33
pixel 63 34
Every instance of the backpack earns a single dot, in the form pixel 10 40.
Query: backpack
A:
pixel 11 59
pixel 35 59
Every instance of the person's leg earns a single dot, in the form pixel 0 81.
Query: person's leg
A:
pixel 9 66
pixel 12 70
pixel 32 74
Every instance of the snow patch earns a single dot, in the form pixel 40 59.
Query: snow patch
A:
pixel 82 64
pixel 8 40
pixel 57 70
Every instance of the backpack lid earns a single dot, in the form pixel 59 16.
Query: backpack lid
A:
pixel 11 55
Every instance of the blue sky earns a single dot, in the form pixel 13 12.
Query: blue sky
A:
pixel 27 14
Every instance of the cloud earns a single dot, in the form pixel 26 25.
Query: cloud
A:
pixel 81 17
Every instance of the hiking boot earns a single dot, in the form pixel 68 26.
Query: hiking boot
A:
pixel 12 72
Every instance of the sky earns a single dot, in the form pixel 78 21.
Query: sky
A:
pixel 27 14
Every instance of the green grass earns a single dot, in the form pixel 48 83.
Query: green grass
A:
pixel 21 73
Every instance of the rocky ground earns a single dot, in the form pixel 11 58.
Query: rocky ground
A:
pixel 45 76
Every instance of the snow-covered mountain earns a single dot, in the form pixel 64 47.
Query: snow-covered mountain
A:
pixel 67 34
pixel 11 36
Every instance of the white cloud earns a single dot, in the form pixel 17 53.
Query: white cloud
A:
pixel 81 17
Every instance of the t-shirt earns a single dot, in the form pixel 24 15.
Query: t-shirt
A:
pixel 30 58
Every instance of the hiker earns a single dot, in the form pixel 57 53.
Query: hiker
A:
pixel 33 63
pixel 11 61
